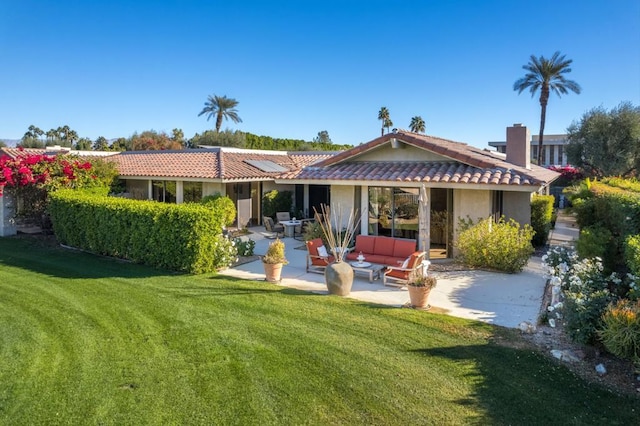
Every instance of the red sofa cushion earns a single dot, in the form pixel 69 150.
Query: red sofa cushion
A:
pixel 404 248
pixel 384 246
pixel 364 244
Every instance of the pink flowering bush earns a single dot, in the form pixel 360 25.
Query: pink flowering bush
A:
pixel 44 171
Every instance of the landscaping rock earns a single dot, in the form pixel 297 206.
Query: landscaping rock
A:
pixel 527 327
pixel 601 369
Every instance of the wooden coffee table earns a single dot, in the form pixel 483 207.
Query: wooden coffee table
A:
pixel 366 268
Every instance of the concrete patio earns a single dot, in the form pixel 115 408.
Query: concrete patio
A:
pixel 496 298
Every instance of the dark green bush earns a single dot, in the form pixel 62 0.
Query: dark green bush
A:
pixel 541 217
pixel 180 237
pixel 276 201
pixel 632 254
pixel 501 245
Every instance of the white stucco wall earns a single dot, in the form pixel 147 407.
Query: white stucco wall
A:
pixel 342 202
pixel 517 206
pixel 475 204
pixel 210 188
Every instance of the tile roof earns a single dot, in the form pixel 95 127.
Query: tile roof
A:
pixel 211 163
pixel 467 165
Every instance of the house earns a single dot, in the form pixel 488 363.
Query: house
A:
pixel 553 149
pixel 380 180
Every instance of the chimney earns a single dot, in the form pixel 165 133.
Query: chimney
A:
pixel 518 145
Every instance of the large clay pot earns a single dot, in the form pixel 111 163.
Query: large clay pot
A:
pixel 419 297
pixel 339 278
pixel 272 272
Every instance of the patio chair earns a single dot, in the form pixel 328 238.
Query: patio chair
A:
pixel 401 274
pixel 283 216
pixel 273 229
pixel 317 262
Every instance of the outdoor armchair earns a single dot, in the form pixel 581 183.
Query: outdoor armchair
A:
pixel 317 262
pixel 400 275
pixel 276 229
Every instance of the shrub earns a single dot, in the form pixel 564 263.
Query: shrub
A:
pixel 222 205
pixel 501 245
pixel 312 231
pixel 632 253
pixel 275 201
pixel 244 247
pixel 541 217
pixel 275 253
pixel 620 331
pixel 586 298
pixel 180 237
pixel 594 241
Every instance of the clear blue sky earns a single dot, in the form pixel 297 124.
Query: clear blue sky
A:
pixel 111 68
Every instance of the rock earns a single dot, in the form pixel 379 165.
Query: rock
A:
pixel 527 327
pixel 601 369
pixel 565 355
pixel 552 322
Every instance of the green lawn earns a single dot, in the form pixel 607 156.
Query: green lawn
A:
pixel 88 340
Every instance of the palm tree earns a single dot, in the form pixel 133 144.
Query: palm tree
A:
pixel 220 106
pixel 546 74
pixel 388 123
pixel 383 116
pixel 417 124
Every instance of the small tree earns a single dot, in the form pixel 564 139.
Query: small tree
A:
pixel 607 143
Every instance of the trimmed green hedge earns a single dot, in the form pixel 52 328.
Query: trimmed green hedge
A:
pixel 541 215
pixel 632 253
pixel 599 205
pixel 179 237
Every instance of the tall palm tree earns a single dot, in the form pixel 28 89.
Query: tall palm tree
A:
pixel 383 116
pixel 221 106
pixel 388 123
pixel 546 74
pixel 417 124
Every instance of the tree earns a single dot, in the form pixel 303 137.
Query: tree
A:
pixel 388 123
pixel 178 136
pixel 120 144
pixel 221 107
pixel 84 144
pixel 52 135
pixel 607 143
pixel 101 144
pixel 383 116
pixel 546 75
pixel 417 124
pixel 323 137
pixel 151 140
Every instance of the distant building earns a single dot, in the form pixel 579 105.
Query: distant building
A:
pixel 553 149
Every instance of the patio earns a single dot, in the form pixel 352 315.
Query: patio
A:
pixel 496 298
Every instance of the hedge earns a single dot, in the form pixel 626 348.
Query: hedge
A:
pixel 541 215
pixel 612 208
pixel 179 237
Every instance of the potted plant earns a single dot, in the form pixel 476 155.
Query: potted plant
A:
pixel 338 276
pixel 419 289
pixel 273 261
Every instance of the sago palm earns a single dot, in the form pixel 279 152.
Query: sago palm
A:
pixel 221 107
pixel 417 124
pixel 546 75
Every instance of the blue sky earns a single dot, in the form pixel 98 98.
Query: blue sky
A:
pixel 111 68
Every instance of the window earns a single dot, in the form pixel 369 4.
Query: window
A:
pixel 552 152
pixel 164 191
pixel 192 192
pixel 393 212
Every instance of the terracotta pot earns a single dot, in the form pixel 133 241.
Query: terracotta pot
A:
pixel 338 277
pixel 272 272
pixel 419 296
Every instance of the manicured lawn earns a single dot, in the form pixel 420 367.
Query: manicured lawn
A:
pixel 88 340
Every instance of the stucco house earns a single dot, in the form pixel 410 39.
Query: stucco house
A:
pixel 380 180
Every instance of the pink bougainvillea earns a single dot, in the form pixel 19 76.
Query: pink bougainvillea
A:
pixel 44 171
